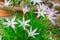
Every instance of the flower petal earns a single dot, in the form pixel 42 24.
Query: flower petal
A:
pixel 34 30
pixel 27 21
pixel 13 18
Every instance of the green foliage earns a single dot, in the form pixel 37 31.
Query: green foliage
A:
pixel 19 34
pixel 57 38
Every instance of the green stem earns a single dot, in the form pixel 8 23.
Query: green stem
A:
pixel 28 38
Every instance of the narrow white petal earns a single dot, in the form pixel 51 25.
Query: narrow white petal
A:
pixel 27 25
pixel 38 16
pixel 23 19
pixel 9 4
pixel 36 34
pixel 27 21
pixel 34 3
pixel 13 18
pixel 38 7
pixel 13 27
pixel 7 19
pixel 19 21
pixel 43 15
pixel 44 12
pixel 24 27
pixel 34 30
pixel 56 11
pixel 4 23
pixel 53 22
pixel 33 36
pixel 5 1
pixel 36 12
pixel 14 22
pixel 27 31
pixel 30 29
pixel 9 1
pixel 53 18
pixel 20 25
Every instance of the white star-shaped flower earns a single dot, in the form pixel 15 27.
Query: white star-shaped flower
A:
pixel 10 22
pixel 36 1
pixel 25 9
pixel 6 3
pixel 23 23
pixel 50 15
pixel 32 33
pixel 40 12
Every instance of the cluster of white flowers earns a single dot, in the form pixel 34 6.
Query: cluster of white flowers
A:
pixel 22 23
pixel 43 10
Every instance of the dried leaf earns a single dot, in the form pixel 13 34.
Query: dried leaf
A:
pixel 1 0
pixel 4 13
